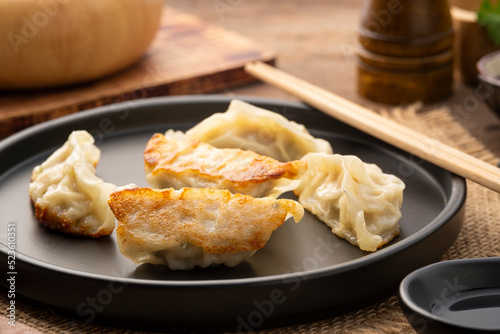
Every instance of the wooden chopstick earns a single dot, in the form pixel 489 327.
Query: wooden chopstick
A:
pixel 380 127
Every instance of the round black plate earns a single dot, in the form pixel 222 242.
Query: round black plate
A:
pixel 303 273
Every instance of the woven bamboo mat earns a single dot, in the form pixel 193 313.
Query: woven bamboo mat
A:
pixel 480 237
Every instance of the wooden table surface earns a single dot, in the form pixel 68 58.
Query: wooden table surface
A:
pixel 315 41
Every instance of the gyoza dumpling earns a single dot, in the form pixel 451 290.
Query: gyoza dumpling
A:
pixel 195 227
pixel 248 127
pixel 66 193
pixel 357 200
pixel 174 160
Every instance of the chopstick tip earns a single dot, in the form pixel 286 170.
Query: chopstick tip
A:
pixel 251 64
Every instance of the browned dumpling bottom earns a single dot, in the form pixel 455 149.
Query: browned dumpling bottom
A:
pixel 195 227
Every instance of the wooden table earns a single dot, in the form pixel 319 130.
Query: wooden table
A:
pixel 315 40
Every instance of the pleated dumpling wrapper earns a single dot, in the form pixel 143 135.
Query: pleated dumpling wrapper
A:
pixel 67 194
pixel 195 226
pixel 174 160
pixel 356 200
pixel 248 127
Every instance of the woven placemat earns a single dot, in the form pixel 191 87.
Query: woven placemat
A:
pixel 480 237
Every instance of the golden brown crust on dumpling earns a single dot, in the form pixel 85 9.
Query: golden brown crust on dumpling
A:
pixel 60 223
pixel 67 194
pixel 215 220
pixel 239 167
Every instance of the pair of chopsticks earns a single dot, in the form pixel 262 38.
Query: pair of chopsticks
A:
pixel 380 127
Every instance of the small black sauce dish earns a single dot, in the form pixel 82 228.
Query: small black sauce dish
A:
pixel 456 296
pixel 488 68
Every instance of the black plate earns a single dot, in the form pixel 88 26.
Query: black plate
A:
pixel 303 273
pixel 453 297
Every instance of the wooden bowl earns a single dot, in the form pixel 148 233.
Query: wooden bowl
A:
pixel 55 43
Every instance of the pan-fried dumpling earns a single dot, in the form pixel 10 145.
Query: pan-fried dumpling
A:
pixel 66 193
pixel 174 160
pixel 357 200
pixel 195 226
pixel 248 127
